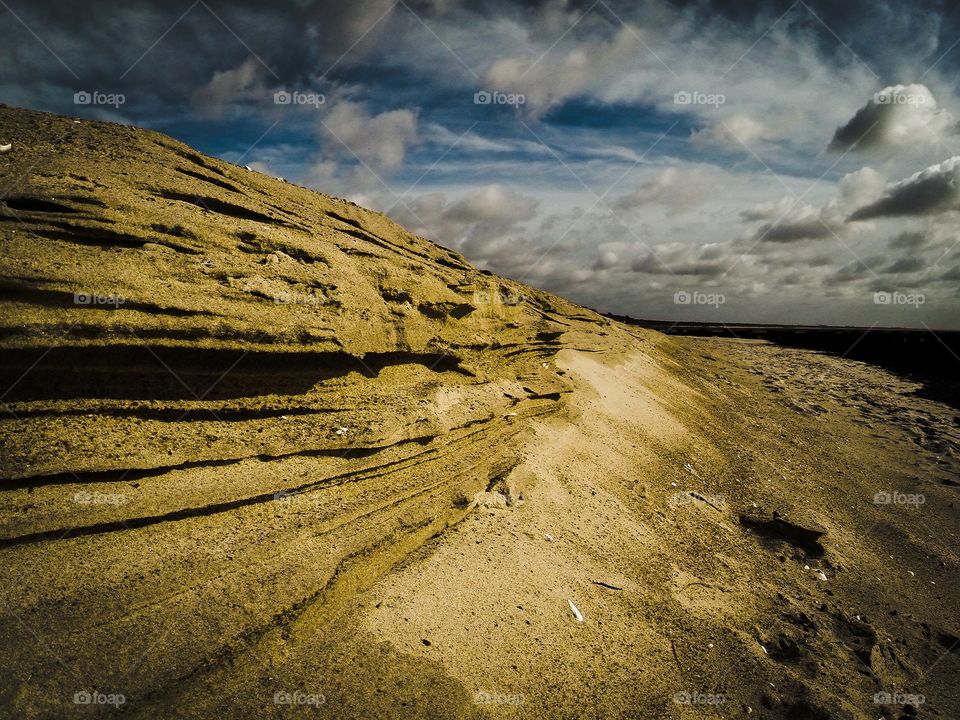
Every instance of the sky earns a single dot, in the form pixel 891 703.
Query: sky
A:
pixel 786 162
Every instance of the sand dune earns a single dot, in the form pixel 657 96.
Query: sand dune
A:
pixel 267 454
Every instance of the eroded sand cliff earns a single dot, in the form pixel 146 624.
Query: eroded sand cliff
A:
pixel 258 440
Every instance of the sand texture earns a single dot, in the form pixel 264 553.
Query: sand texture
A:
pixel 257 440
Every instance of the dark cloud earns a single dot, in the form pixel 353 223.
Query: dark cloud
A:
pixel 905 265
pixel 788 231
pixel 399 92
pixel 689 261
pixel 928 192
pixel 910 240
pixel 650 264
pixel 794 222
pixel 852 271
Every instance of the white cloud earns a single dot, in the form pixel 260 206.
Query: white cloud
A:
pixel 380 140
pixel 493 203
pixel 230 87
pixel 585 69
pixel 768 210
pixel 898 115
pixel 860 187
pixel 736 131
pixel 673 188
pixel 483 223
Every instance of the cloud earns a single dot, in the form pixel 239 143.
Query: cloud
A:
pixel 380 140
pixel 471 141
pixel 338 27
pixel 910 240
pixel 228 87
pixel 483 223
pixel 607 260
pixel 704 261
pixel 736 131
pixel 905 265
pixel 788 220
pixel 898 115
pixel 933 190
pixel 769 210
pixel 801 223
pixel 853 271
pixel 862 186
pixel 599 91
pixel 586 69
pixel 673 188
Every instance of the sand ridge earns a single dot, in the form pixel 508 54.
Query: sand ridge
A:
pixel 266 454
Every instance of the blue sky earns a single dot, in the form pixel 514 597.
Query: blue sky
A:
pixel 779 162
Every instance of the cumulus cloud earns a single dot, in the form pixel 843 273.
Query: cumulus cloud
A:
pixel 493 203
pixel 898 115
pixel 600 91
pixel 380 140
pixel 862 186
pixel 803 222
pixel 607 260
pixel 673 188
pixel 788 220
pixel 483 223
pixel 769 210
pixel 584 69
pixel 931 191
pixel 228 87
pixel 704 261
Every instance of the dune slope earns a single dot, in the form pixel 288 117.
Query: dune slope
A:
pixel 265 453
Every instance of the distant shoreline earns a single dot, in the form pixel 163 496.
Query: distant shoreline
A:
pixel 930 357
